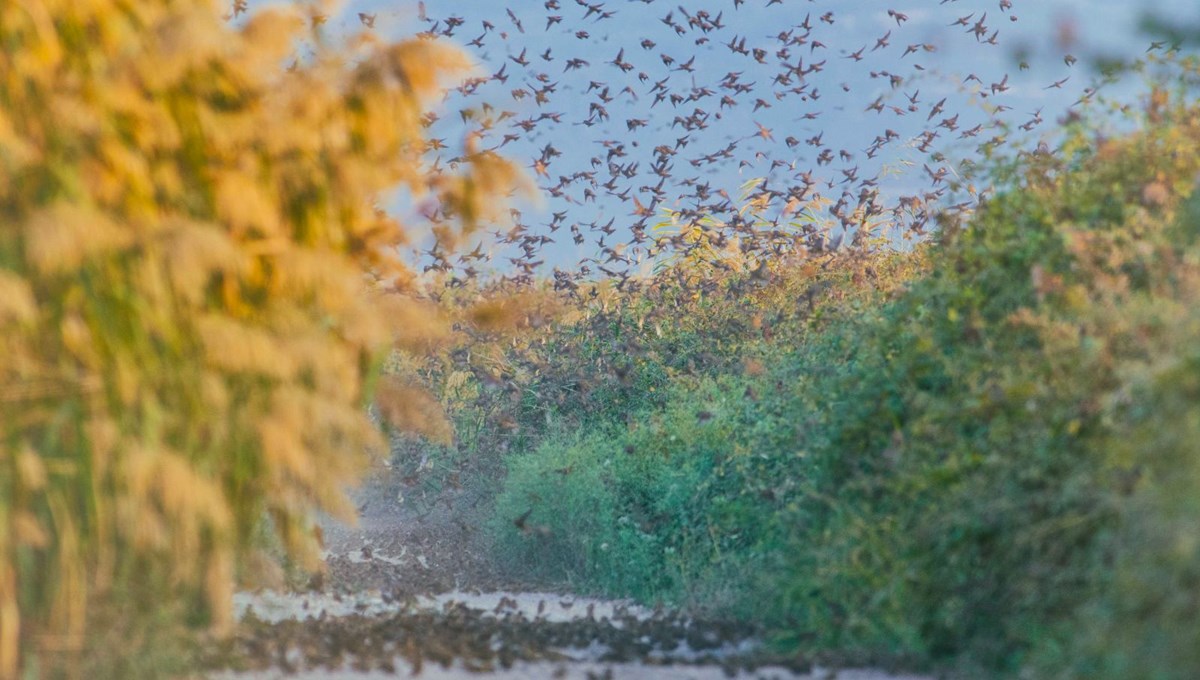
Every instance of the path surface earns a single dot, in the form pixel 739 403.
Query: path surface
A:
pixel 411 592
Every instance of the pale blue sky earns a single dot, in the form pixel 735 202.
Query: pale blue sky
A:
pixel 1045 32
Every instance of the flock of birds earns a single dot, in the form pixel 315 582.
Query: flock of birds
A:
pixel 836 124
pixel 464 639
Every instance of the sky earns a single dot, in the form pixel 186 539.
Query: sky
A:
pixel 622 109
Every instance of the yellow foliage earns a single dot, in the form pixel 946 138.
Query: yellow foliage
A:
pixel 190 306
pixel 416 325
pixel 16 299
pixel 413 409
pixel 495 315
pixel 61 236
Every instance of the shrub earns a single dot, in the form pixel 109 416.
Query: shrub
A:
pixel 665 495
pixel 966 484
pixel 992 469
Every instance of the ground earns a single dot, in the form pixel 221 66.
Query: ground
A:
pixel 410 590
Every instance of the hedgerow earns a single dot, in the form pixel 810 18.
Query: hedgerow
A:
pixel 989 465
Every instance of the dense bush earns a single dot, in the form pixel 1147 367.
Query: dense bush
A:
pixel 985 402
pixel 680 477
pixel 532 360
pixel 624 510
pixel 995 469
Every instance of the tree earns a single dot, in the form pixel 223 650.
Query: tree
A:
pixel 196 282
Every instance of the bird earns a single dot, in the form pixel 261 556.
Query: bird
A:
pixel 705 71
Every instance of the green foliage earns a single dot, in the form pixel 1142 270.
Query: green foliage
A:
pixel 663 494
pixel 1141 619
pixel 992 467
pixel 626 512
pixel 981 405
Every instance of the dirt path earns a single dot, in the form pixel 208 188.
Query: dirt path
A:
pixel 410 591
pixel 409 548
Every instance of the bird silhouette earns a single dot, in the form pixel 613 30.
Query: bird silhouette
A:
pixel 622 111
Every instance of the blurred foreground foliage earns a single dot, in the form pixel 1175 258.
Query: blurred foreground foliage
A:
pixel 979 454
pixel 195 290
